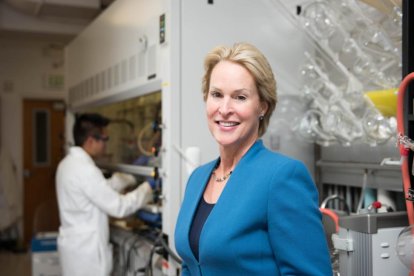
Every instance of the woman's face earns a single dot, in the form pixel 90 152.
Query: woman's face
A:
pixel 233 105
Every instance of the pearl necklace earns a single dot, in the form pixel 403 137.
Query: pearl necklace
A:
pixel 221 179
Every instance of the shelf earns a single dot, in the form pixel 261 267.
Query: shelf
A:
pixel 361 166
pixel 387 177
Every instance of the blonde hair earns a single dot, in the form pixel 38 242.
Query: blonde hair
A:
pixel 256 63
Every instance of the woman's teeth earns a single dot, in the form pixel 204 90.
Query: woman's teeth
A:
pixel 228 124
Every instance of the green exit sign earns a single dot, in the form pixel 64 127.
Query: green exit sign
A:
pixel 55 81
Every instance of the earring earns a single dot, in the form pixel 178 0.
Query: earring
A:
pixel 261 117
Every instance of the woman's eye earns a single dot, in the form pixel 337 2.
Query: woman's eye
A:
pixel 215 94
pixel 241 98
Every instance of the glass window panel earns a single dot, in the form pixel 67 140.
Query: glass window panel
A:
pixel 41 143
pixel 131 131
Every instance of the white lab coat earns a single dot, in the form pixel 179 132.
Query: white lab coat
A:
pixel 85 200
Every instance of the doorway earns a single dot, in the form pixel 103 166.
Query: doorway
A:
pixel 43 148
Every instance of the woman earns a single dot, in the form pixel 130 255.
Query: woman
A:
pixel 251 211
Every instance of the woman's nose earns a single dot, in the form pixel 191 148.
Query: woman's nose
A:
pixel 225 107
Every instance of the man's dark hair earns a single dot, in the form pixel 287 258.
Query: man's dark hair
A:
pixel 88 124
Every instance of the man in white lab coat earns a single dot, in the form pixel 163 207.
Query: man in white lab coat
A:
pixel 86 199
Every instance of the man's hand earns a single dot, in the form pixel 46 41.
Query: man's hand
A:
pixel 120 181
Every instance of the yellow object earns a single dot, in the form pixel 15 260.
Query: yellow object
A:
pixel 384 100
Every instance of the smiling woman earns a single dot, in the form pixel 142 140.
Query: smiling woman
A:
pixel 259 69
pixel 276 199
pixel 233 106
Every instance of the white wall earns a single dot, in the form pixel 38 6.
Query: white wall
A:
pixel 23 67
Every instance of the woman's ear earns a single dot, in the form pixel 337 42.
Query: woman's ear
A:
pixel 264 107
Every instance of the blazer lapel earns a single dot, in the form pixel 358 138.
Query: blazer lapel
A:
pixel 196 188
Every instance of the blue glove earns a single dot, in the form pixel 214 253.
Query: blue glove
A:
pixel 154 183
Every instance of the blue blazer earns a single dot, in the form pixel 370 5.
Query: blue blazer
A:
pixel 266 221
